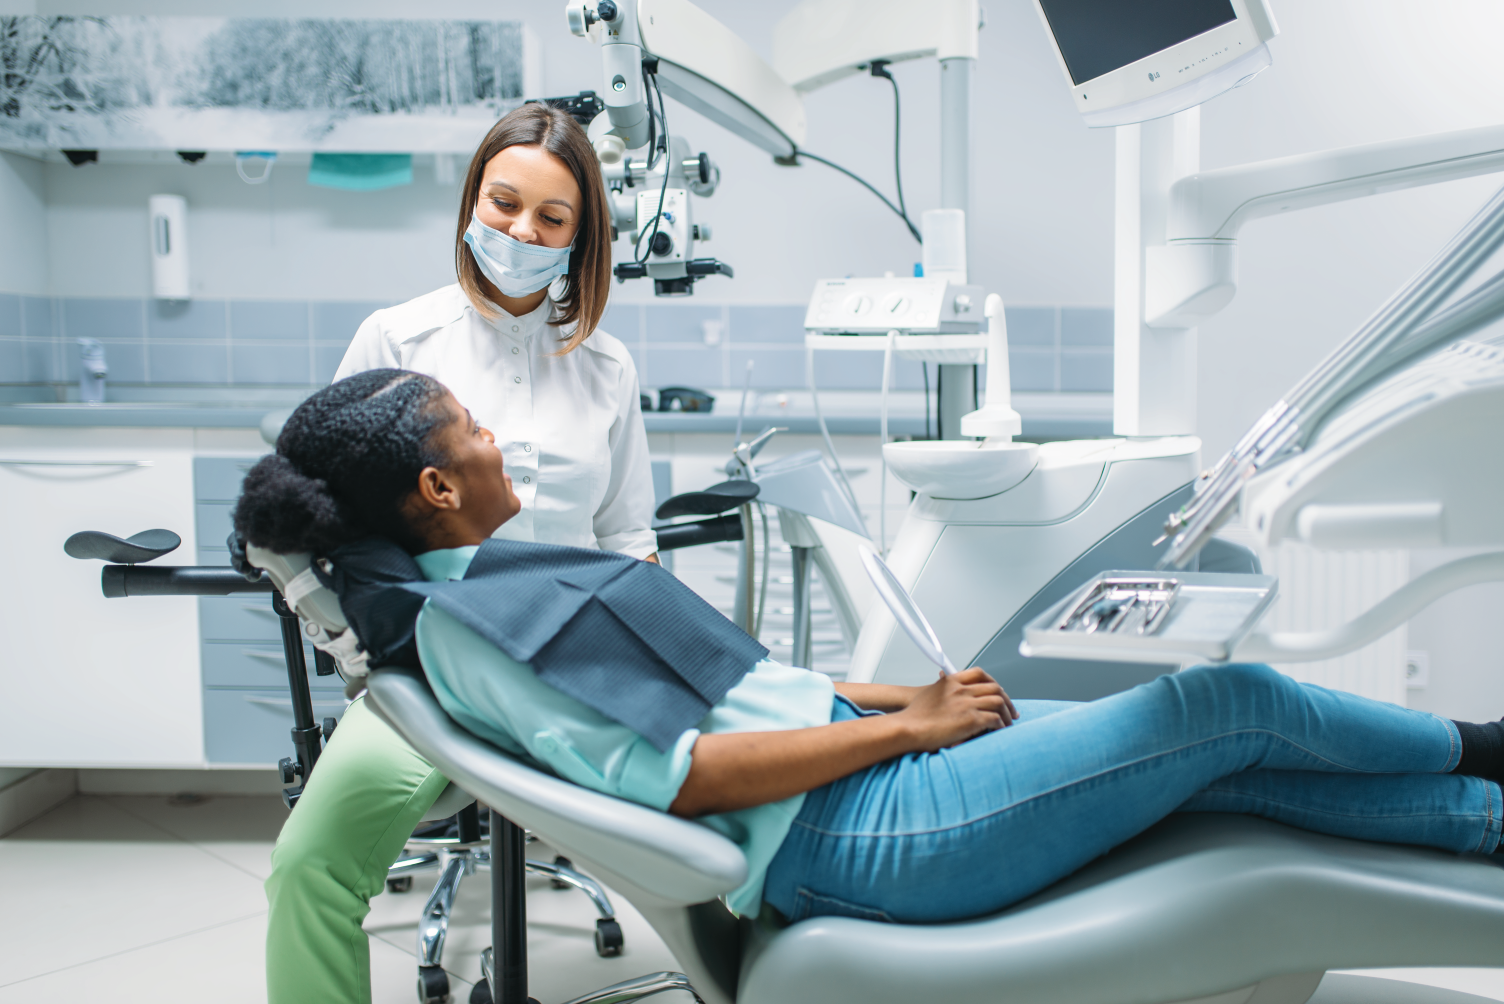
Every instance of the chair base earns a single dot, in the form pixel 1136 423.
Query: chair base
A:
pixel 617 993
pixel 458 857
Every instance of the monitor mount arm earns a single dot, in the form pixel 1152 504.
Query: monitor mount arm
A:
pixel 1193 275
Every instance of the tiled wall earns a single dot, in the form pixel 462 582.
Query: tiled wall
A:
pixel 705 345
pixel 262 342
pixel 147 341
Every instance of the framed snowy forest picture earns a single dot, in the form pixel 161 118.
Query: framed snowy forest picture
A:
pixel 198 83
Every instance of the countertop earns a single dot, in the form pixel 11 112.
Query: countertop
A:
pixel 1045 416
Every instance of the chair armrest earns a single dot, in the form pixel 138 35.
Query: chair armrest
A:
pixel 679 861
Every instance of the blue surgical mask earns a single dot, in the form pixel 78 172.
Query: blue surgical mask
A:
pixel 516 268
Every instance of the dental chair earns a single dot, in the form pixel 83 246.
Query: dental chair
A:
pixel 1200 909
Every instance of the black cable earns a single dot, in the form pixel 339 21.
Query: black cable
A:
pixel 863 182
pixel 647 91
pixel 663 190
pixel 879 68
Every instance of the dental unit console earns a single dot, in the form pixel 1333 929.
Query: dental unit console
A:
pixel 1393 445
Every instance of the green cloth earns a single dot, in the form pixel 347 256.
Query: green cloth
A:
pixel 503 701
pixel 361 172
pixel 366 795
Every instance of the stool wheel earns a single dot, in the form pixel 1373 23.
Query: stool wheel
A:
pixel 608 937
pixel 433 985
pixel 561 862
pixel 403 883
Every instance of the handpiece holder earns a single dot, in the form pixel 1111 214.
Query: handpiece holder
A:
pixel 996 419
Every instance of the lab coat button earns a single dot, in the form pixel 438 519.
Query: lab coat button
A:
pixel 516 328
pixel 526 480
pixel 516 379
pixel 527 447
pixel 515 350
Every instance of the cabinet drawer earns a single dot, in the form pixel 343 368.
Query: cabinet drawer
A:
pixel 217 479
pixel 251 726
pixel 253 664
pixel 239 618
pixel 213 524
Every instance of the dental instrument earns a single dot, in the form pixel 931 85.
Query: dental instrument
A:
pixel 1410 324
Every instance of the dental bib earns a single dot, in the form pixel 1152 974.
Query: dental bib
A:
pixel 619 635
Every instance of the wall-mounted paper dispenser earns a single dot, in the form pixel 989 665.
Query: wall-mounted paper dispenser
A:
pixel 169 247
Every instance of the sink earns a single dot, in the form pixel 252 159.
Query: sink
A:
pixel 960 468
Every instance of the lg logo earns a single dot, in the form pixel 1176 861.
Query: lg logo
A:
pixel 1154 76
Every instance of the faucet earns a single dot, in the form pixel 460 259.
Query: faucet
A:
pixel 91 371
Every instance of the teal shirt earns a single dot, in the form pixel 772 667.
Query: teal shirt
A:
pixel 502 700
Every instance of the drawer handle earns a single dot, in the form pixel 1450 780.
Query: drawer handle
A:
pixel 260 609
pixel 76 463
pixel 285 704
pixel 279 658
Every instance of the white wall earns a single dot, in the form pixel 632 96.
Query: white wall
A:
pixel 23 222
pixel 1042 203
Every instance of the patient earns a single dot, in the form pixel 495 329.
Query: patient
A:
pixel 908 804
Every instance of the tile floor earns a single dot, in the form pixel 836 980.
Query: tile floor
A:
pixel 143 898
pixel 149 898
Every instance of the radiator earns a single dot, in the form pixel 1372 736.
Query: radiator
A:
pixel 1324 589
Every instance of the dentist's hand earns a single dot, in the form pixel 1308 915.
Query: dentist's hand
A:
pixel 956 708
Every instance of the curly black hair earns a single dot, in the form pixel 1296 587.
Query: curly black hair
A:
pixel 347 460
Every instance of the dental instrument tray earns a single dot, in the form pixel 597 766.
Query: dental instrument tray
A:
pixel 1153 617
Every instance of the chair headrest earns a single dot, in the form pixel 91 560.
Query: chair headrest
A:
pixel 317 606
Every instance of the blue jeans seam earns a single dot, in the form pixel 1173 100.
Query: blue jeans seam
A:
pixel 1487 814
pixel 1488 803
pixel 1089 777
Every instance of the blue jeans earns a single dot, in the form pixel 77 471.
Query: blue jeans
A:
pixel 967 831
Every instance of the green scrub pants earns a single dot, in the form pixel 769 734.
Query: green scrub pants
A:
pixel 365 797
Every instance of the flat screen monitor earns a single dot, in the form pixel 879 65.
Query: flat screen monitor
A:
pixel 1134 60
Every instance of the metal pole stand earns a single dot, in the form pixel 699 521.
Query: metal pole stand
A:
pixel 504 964
pixel 307 735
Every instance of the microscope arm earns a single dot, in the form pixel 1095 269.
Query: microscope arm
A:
pixel 701 64
pixel 822 41
pixel 1194 274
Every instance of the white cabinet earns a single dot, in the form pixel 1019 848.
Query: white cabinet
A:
pixel 86 681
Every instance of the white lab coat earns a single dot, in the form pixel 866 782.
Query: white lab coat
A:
pixel 569 427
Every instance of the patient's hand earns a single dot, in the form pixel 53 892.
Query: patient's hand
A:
pixel 956 708
pixel 735 770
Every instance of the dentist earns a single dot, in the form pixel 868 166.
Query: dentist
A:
pixel 516 342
